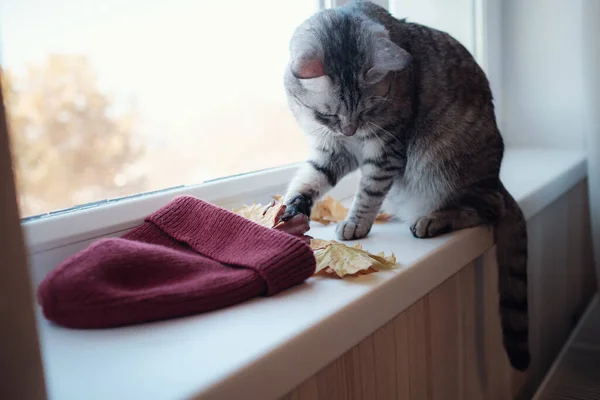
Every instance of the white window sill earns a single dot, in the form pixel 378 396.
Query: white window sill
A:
pixel 268 346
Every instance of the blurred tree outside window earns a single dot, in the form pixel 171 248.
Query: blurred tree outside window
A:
pixel 110 99
pixel 69 148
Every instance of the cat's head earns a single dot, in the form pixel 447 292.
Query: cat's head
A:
pixel 341 72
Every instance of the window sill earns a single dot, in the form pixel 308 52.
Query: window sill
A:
pixel 289 337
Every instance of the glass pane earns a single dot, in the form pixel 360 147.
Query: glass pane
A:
pixel 112 98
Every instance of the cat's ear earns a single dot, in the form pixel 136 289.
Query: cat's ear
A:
pixel 387 57
pixel 308 67
pixel 310 71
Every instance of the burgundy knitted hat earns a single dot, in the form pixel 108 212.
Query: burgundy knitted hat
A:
pixel 188 257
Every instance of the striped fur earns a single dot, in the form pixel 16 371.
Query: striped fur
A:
pixel 408 106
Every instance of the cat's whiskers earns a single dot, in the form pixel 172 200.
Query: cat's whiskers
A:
pixel 317 131
pixel 385 131
pixel 324 132
pixel 328 136
pixel 387 100
pixel 380 141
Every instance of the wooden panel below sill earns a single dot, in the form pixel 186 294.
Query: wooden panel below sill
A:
pixel 433 350
pixel 448 345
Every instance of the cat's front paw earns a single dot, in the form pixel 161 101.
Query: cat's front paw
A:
pixel 296 206
pixel 351 230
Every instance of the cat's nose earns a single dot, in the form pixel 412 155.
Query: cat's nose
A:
pixel 349 130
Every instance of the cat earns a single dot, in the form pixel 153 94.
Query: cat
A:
pixel 410 108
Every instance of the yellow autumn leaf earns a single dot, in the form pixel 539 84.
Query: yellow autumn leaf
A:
pixel 330 210
pixel 317 244
pixel 265 215
pixel 385 261
pixel 383 217
pixel 341 260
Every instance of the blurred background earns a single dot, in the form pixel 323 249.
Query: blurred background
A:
pixel 109 99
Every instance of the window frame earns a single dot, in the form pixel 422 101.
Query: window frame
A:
pixel 335 3
pixel 82 223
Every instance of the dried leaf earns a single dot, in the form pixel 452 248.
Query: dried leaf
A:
pixel 330 210
pixel 385 261
pixel 341 260
pixel 325 211
pixel 317 244
pixel 383 217
pixel 263 215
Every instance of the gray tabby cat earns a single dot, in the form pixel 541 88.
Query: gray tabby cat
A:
pixel 408 106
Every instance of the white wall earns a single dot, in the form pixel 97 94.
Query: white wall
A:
pixel 544 88
pixel 551 82
pixel 453 16
pixel 474 23
pixel 489 41
pixel 533 53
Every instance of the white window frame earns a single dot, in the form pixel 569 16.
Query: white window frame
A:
pixel 334 3
pixel 86 222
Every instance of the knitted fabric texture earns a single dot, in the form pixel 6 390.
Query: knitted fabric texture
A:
pixel 188 257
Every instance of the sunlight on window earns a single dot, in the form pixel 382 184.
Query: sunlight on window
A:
pixel 112 98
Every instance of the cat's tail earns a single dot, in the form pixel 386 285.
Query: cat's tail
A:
pixel 511 247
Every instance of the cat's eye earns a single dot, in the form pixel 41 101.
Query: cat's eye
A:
pixel 326 117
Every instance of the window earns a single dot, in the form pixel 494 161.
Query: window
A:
pixel 109 99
